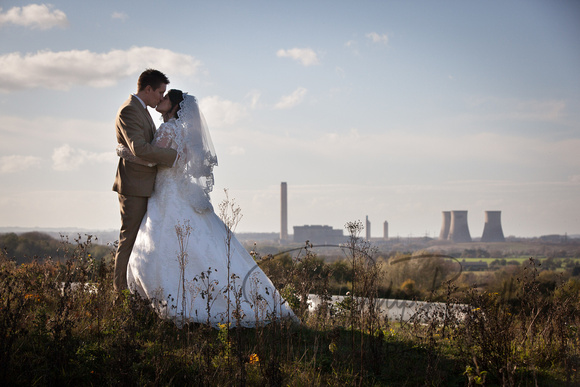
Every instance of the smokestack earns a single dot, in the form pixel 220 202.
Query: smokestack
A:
pixel 284 211
pixel 444 234
pixel 492 231
pixel 459 231
pixel 368 228
pixel 386 230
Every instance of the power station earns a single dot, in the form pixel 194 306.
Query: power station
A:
pixel 454 227
pixel 492 231
pixel 444 234
pixel 459 230
pixel 284 211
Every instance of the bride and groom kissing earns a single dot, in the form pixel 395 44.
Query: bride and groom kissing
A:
pixel 173 249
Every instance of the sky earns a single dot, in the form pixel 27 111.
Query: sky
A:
pixel 395 110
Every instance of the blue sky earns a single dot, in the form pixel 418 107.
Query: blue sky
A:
pixel 395 110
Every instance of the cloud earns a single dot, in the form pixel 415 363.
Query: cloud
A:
pixel 254 97
pixel 306 56
pixel 119 15
pixel 66 158
pixel 376 38
pixel 236 150
pixel 353 46
pixel 65 69
pixel 35 16
pixel 16 163
pixel 220 112
pixel 518 109
pixel 291 100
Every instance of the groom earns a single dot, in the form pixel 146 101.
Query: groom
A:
pixel 134 182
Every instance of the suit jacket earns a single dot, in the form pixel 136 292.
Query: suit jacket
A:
pixel 135 129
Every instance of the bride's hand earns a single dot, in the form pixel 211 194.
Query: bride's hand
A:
pixel 121 150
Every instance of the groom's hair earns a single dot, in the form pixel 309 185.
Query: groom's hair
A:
pixel 151 77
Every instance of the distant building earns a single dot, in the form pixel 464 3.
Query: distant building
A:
pixel 492 231
pixel 368 228
pixel 444 234
pixel 386 230
pixel 283 211
pixel 459 230
pixel 474 266
pixel 318 235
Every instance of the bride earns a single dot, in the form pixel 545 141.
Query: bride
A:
pixel 185 259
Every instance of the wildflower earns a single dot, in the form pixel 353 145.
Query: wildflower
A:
pixel 254 358
pixel 34 297
pixel 332 347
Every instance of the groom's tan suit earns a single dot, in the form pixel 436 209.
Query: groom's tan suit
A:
pixel 134 182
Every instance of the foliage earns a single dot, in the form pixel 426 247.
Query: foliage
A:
pixel 62 324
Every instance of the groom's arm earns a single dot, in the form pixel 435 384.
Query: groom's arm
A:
pixel 131 133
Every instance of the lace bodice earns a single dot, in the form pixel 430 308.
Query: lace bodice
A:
pixel 183 179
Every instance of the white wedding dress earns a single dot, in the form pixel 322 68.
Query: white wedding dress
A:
pixel 183 249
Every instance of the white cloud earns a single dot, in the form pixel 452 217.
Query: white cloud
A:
pixel 376 38
pixel 236 150
pixel 306 56
pixel 66 158
pixel 38 135
pixel 16 163
pixel 119 15
pixel 353 46
pixel 254 97
pixel 40 16
pixel 64 69
pixel 518 109
pixel 291 100
pixel 220 112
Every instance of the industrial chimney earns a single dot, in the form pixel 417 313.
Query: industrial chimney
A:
pixel 459 231
pixel 368 228
pixel 386 230
pixel 492 231
pixel 444 234
pixel 284 211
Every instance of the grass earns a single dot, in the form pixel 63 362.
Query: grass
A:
pixel 55 333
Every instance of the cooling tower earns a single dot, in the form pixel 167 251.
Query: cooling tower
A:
pixel 386 230
pixel 444 234
pixel 368 228
pixel 458 230
pixel 284 211
pixel 492 231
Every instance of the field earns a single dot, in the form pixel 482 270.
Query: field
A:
pixel 521 326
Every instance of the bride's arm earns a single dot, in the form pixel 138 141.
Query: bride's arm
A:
pixel 163 139
pixel 125 153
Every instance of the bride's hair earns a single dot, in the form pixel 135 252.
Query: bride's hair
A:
pixel 175 96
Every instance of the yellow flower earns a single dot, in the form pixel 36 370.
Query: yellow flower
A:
pixel 35 297
pixel 254 358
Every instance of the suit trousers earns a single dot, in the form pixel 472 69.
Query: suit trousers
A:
pixel 133 209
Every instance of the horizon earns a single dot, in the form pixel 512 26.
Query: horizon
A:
pixel 475 239
pixel 392 110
